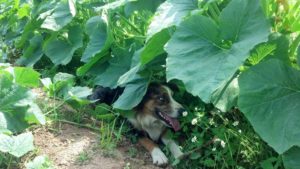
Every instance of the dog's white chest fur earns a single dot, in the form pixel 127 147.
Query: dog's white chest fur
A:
pixel 149 124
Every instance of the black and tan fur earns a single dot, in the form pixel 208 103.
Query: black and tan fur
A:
pixel 153 116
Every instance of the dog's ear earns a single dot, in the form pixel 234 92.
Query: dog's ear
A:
pixel 105 94
pixel 173 87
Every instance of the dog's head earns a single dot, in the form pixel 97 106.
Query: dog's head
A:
pixel 159 103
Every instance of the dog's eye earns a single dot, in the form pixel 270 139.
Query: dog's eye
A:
pixel 161 99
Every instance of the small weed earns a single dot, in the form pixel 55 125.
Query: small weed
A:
pixel 132 152
pixel 83 158
pixel 110 135
pixel 127 166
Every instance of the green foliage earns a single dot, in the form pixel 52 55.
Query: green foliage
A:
pixel 16 145
pixel 61 51
pixel 267 90
pixel 63 86
pixel 60 15
pixel 171 13
pixel 291 158
pixel 218 51
pixel 226 97
pixel 223 51
pixel 100 38
pixel 17 104
pixel 133 94
pixel 39 162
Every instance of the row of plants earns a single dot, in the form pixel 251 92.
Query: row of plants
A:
pixel 238 54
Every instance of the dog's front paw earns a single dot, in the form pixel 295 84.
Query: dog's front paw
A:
pixel 158 157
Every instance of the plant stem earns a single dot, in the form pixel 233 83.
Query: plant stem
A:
pixel 9 161
pixel 80 125
pixel 185 155
pixel 55 108
pixel 294 46
pixel 130 24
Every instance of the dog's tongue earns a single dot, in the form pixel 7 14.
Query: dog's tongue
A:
pixel 174 123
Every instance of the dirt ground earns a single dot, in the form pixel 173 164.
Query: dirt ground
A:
pixel 65 147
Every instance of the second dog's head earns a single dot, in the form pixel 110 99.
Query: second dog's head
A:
pixel 159 102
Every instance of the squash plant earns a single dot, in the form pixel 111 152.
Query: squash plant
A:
pixel 231 53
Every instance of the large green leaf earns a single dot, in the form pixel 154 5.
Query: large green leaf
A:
pixel 141 5
pixel 211 54
pixel 26 77
pixel 118 65
pixel 170 13
pixel 16 145
pixel 77 96
pixel 291 158
pixel 226 97
pixel 61 51
pixel 79 93
pixel 298 55
pixel 62 14
pixel 113 5
pixel 17 107
pixel 155 45
pixel 269 98
pixel 100 38
pixel 133 94
pixel 62 83
pixel 33 52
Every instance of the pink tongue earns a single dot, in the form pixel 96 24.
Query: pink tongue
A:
pixel 173 122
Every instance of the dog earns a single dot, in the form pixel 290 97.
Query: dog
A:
pixel 155 115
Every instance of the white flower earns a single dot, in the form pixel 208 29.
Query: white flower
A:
pixel 240 131
pixel 217 139
pixel 223 143
pixel 194 139
pixel 194 121
pixel 211 121
pixel 70 93
pixel 213 149
pixel 185 113
pixel 235 123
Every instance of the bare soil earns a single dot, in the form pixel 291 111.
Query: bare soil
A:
pixel 65 146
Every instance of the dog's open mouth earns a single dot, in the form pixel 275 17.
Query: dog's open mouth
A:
pixel 172 122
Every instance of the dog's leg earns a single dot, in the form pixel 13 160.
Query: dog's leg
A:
pixel 158 157
pixel 170 143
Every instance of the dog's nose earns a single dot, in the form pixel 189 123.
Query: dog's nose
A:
pixel 181 110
